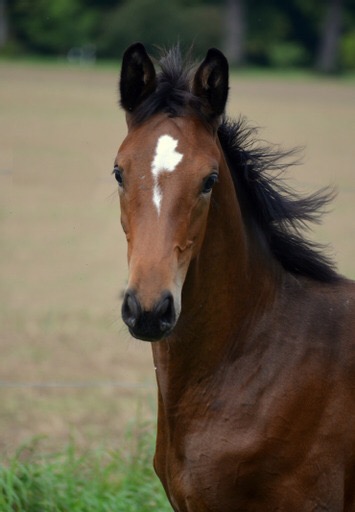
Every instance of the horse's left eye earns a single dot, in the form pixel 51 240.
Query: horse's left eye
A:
pixel 209 182
pixel 118 175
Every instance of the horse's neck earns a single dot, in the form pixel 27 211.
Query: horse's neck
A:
pixel 227 283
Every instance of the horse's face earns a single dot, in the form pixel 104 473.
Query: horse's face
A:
pixel 165 169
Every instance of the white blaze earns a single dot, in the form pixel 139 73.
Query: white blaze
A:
pixel 166 158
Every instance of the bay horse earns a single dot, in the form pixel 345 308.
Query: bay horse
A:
pixel 252 328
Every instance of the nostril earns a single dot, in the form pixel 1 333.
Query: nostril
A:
pixel 165 311
pixel 130 309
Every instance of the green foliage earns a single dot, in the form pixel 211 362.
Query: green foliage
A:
pixel 347 46
pixel 287 55
pixel 51 27
pixel 278 33
pixel 159 23
pixel 72 482
pixel 348 51
pixel 269 25
pixel 281 34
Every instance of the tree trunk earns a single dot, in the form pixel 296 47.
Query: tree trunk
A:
pixel 235 31
pixel 328 55
pixel 3 24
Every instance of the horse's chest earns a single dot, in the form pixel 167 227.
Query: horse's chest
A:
pixel 211 469
pixel 223 464
pixel 224 480
pixel 192 480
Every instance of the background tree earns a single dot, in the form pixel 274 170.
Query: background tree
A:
pixel 328 57
pixel 3 23
pixel 235 30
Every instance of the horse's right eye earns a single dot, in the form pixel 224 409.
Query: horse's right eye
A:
pixel 118 175
pixel 209 182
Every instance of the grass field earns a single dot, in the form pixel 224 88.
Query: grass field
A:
pixel 101 480
pixel 69 371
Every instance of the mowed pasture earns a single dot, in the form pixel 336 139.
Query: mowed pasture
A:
pixel 68 368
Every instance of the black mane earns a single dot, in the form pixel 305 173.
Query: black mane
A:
pixel 277 214
pixel 173 93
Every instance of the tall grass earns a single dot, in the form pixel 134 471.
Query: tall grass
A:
pixel 120 481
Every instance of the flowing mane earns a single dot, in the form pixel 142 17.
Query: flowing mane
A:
pixel 280 215
pixel 275 213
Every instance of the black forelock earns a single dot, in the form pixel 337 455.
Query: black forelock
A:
pixel 173 94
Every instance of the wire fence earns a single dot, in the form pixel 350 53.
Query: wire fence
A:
pixel 77 385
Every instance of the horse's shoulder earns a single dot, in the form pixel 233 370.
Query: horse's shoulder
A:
pixel 320 304
pixel 325 326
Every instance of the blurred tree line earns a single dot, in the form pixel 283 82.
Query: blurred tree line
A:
pixel 304 33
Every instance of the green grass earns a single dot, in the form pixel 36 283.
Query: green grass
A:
pixel 72 482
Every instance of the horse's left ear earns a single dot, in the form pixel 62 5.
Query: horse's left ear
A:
pixel 211 82
pixel 137 79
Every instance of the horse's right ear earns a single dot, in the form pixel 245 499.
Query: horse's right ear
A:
pixel 137 79
pixel 211 83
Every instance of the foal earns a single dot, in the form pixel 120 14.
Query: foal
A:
pixel 252 328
